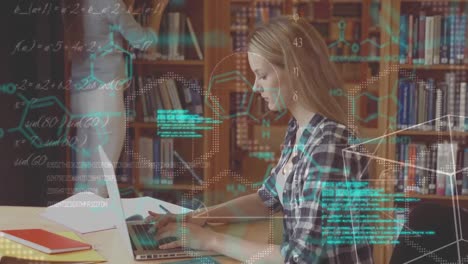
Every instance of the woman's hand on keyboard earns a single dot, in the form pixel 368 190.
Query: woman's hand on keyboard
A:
pixel 161 220
pixel 195 237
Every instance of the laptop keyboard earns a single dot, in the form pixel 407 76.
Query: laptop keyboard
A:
pixel 147 240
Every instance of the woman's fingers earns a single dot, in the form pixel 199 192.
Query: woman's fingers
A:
pixel 165 231
pixel 165 220
pixel 174 244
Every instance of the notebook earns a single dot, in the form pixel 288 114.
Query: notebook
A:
pixel 44 241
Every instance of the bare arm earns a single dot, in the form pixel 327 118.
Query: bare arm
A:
pixel 131 30
pixel 247 207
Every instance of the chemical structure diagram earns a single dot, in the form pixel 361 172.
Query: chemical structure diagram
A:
pixel 355 99
pixel 100 55
pixel 37 124
pixel 356 46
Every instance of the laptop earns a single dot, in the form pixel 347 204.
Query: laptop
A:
pixel 139 243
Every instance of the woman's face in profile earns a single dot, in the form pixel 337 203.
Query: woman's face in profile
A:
pixel 270 82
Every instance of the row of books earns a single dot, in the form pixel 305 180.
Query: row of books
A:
pixel 172 38
pixel 156 160
pixel 165 93
pixel 241 15
pixel 239 27
pixel 312 9
pixel 323 9
pixel 433 39
pixel 267 10
pixel 426 100
pixel 352 30
pixel 429 169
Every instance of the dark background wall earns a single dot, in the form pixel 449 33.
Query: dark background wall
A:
pixel 27 184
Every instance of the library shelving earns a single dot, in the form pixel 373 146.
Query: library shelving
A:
pixel 432 52
pixel 196 63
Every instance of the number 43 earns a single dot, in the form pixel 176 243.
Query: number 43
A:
pixel 297 42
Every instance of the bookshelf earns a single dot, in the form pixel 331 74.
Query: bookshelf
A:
pixel 430 68
pixel 202 15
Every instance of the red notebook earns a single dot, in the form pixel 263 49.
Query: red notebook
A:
pixel 44 241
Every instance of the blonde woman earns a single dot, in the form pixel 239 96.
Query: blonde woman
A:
pixel 290 55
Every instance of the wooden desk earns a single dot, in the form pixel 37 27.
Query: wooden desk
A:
pixel 108 243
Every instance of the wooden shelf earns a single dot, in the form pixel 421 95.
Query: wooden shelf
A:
pixel 427 1
pixel 241 1
pixel 170 63
pixel 177 187
pixel 436 67
pixel 431 133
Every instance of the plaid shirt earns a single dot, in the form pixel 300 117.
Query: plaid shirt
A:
pixel 319 159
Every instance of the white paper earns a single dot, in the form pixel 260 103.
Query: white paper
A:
pixel 87 212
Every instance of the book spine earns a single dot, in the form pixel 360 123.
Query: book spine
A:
pixel 157 160
pixel 401 90
pixel 411 176
pixel 438 108
pixel 415 50
pixel 171 161
pixel 417 171
pixel 465 173
pixel 450 180
pixel 409 49
pixel 444 47
pixel 164 161
pixel 433 166
pixel 424 173
pixel 462 108
pixel 436 38
pixel 452 33
pixel 462 39
pixel 421 104
pixel 398 158
pixel 404 123
pixel 409 109
pixel 422 37
pixel 406 168
pixel 459 174
pixel 428 41
pixel 451 89
pixel 402 168
pixel 456 108
pixel 465 46
pixel 403 39
pixel 143 98
pixel 197 101
pixel 443 167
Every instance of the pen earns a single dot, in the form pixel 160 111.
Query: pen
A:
pixel 165 209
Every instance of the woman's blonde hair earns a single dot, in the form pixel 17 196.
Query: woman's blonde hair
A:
pixel 294 43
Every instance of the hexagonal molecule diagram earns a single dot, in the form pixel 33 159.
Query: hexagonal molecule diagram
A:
pixel 46 122
pixel 95 79
pixel 363 95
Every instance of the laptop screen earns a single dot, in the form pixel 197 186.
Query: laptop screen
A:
pixel 115 204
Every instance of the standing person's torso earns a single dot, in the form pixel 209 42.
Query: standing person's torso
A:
pixel 98 40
